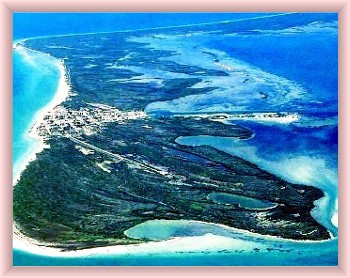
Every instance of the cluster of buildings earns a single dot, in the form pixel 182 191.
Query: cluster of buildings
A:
pixel 88 120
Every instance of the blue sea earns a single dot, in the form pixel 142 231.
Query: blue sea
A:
pixel 303 152
pixel 36 77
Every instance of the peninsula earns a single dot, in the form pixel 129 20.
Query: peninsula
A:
pixel 111 165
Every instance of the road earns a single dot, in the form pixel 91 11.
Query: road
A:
pixel 116 156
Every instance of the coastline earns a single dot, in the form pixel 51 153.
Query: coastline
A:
pixel 198 243
pixel 24 243
pixel 60 96
pixel 260 117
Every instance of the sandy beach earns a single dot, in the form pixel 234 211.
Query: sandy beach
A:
pixel 198 244
pixel 204 243
pixel 60 95
pixel 208 242
pixel 20 241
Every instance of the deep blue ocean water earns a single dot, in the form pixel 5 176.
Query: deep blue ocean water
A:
pixel 310 58
pixel 40 24
pixel 313 150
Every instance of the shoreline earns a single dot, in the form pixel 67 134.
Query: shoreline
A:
pixel 198 243
pixel 260 117
pixel 22 242
pixel 61 94
pixel 207 242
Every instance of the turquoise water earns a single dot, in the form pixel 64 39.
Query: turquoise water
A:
pixel 243 249
pixel 299 154
pixel 231 247
pixel 241 201
pixel 320 257
pixel 35 82
pixel 303 157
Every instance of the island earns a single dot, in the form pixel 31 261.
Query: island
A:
pixel 111 161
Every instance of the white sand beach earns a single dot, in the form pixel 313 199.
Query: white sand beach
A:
pixel 63 88
pixel 207 242
pixel 60 95
pixel 204 243
pixel 198 244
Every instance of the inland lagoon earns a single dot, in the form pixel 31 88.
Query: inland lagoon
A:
pixel 203 143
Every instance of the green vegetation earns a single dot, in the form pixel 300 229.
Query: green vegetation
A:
pixel 65 199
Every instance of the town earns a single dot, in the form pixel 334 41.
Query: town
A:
pixel 88 120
